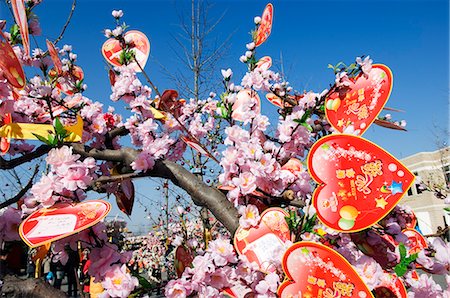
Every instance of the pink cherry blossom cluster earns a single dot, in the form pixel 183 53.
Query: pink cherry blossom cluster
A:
pixel 219 269
pixel 66 181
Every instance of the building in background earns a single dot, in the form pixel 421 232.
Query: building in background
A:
pixel 434 170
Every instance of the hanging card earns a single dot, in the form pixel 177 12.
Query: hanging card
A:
pixel 359 182
pixel 61 220
pixel 315 270
pixel 354 108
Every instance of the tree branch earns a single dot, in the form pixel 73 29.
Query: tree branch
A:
pixel 201 194
pixel 74 4
pixel 10 164
pixel 22 192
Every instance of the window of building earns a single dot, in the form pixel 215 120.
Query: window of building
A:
pixel 447 173
pixel 410 193
pixel 418 187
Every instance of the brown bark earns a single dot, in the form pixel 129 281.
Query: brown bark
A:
pixel 201 194
pixel 15 287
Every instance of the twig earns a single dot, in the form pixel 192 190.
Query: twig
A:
pixel 74 3
pixel 22 192
pixel 12 163
pixel 438 234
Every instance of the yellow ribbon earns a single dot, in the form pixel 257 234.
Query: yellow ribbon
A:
pixel 26 131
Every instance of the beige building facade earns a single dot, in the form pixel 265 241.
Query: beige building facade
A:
pixel 433 168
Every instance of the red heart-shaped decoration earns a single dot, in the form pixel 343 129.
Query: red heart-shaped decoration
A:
pixel 265 27
pixel 111 49
pixel 315 270
pixel 391 287
pixel 183 258
pixel 416 241
pixel 125 196
pixel 260 243
pixel 359 182
pixel 61 220
pixel 71 79
pixel 355 107
pixel 5 144
pixel 20 16
pixel 54 56
pixel 264 63
pixel 10 65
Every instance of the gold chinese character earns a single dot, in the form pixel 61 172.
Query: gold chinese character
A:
pixel 343 288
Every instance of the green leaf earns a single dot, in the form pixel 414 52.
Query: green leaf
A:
pixel 308 127
pixel 15 34
pixel 41 138
pixel 402 250
pixel 59 128
pixel 330 66
pixel 52 140
pixel 447 209
pixel 400 269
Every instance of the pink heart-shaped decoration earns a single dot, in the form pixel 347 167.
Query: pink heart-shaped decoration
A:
pixel 260 243
pixel 245 99
pixel 359 182
pixel 315 270
pixel 353 109
pixel 112 49
pixel 61 220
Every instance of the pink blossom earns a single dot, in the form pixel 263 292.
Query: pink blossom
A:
pixel 222 252
pixel 60 156
pixel 43 190
pixel 177 289
pixel 249 216
pixel 101 260
pixel 76 176
pixel 10 219
pixel 369 270
pixel 245 182
pixel 118 282
pixel 366 64
pixel 143 162
pixel 268 285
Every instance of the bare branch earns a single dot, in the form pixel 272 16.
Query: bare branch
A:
pixel 10 164
pixel 22 192
pixel 74 4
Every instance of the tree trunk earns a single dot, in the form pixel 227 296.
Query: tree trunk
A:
pixel 15 287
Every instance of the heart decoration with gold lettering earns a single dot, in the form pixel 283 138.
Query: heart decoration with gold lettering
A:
pixel 354 108
pixel 61 220
pixel 359 182
pixel 315 270
pixel 259 244
pixel 112 49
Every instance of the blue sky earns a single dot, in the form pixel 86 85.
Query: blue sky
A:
pixel 411 37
